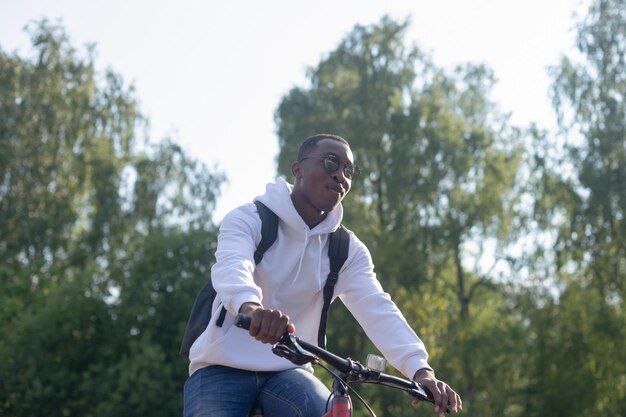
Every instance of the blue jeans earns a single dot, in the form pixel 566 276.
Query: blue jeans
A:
pixel 220 391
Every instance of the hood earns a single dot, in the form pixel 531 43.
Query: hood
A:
pixel 277 198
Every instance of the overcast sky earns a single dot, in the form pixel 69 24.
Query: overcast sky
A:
pixel 211 73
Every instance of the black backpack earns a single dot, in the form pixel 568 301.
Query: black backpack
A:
pixel 202 306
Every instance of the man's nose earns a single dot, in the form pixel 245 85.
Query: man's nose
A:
pixel 338 175
pixel 341 178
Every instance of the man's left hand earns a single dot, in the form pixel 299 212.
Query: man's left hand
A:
pixel 442 393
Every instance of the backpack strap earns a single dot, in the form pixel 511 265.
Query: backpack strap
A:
pixel 269 232
pixel 337 255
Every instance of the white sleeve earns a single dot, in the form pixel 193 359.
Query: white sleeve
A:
pixel 232 273
pixel 377 314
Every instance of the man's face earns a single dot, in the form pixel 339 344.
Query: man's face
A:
pixel 315 184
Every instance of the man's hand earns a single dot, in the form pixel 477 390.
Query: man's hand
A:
pixel 442 393
pixel 266 325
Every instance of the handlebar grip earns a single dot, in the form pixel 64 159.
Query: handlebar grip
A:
pixel 242 321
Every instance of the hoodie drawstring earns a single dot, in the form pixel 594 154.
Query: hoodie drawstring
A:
pixel 302 253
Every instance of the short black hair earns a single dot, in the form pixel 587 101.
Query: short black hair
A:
pixel 311 142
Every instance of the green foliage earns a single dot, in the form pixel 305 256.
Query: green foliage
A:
pixel 589 99
pixel 49 350
pixel 577 366
pixel 580 195
pixel 103 245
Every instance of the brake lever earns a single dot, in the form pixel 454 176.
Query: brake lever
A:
pixel 289 349
pixel 424 394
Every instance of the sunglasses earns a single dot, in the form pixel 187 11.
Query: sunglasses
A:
pixel 332 163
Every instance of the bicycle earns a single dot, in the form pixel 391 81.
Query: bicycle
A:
pixel 347 371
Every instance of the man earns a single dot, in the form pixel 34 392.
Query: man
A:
pixel 229 369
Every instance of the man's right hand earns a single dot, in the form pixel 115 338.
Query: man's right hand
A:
pixel 266 325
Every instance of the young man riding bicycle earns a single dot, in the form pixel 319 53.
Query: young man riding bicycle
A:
pixel 231 371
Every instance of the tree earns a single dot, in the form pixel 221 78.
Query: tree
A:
pixel 440 165
pixel 589 99
pixel 103 242
pixel 582 199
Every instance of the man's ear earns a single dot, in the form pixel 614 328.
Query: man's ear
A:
pixel 296 169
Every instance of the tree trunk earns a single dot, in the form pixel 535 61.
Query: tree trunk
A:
pixel 463 298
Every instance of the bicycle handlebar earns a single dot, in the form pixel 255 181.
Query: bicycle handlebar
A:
pixel 300 352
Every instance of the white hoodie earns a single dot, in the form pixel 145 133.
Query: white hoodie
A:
pixel 291 278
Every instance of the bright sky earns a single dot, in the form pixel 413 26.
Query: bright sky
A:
pixel 212 73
